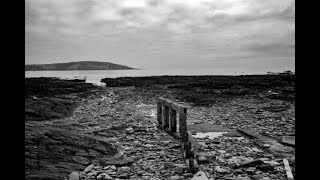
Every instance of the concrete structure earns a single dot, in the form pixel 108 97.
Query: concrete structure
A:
pixel 167 112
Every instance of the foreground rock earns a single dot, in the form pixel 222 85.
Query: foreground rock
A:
pixel 54 147
pixel 51 98
pixel 54 152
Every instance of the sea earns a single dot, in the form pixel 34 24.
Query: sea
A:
pixel 94 76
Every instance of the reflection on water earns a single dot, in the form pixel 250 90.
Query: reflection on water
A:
pixel 210 135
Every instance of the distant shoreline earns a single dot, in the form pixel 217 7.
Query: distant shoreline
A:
pixel 80 65
pixel 83 69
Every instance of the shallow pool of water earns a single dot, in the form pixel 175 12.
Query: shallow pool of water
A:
pixel 210 135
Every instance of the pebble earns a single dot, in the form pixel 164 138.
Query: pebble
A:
pixel 266 178
pixel 148 145
pixel 258 177
pixel 89 168
pixel 124 175
pixel 103 176
pixel 250 170
pixel 243 178
pixel 176 177
pixel 266 145
pixel 202 159
pixel 74 176
pixel 221 170
pixel 124 169
pixel 238 171
pixel 200 175
pixel 222 151
pixel 113 167
pixel 179 170
pixel 256 150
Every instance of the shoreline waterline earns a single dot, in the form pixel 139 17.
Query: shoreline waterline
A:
pixel 94 76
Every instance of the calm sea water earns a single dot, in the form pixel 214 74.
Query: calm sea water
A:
pixel 94 76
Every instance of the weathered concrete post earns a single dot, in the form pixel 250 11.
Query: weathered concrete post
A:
pixel 159 113
pixel 179 129
pixel 183 124
pixel 166 118
pixel 162 115
pixel 173 120
pixel 191 162
pixel 187 148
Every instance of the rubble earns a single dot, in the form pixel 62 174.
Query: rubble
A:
pixel 156 154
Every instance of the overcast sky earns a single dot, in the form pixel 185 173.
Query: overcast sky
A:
pixel 163 33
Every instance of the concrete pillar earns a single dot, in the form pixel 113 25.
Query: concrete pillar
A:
pixel 166 117
pixel 163 115
pixel 183 124
pixel 173 120
pixel 159 113
pixel 187 148
pixel 191 162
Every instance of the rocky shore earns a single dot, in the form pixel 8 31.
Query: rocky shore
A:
pixel 110 132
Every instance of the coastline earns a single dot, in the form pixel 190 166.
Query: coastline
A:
pixel 231 101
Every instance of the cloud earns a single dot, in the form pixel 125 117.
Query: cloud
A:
pixel 150 13
pixel 204 28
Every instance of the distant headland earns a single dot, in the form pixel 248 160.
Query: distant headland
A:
pixel 80 65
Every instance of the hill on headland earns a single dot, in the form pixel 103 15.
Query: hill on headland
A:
pixel 81 65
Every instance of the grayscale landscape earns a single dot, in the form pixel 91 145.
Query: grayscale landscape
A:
pixel 160 90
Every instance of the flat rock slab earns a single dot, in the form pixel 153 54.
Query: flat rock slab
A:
pixel 288 140
pixel 274 146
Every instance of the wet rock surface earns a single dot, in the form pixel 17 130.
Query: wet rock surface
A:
pixel 121 122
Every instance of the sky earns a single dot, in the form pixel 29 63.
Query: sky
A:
pixel 238 34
